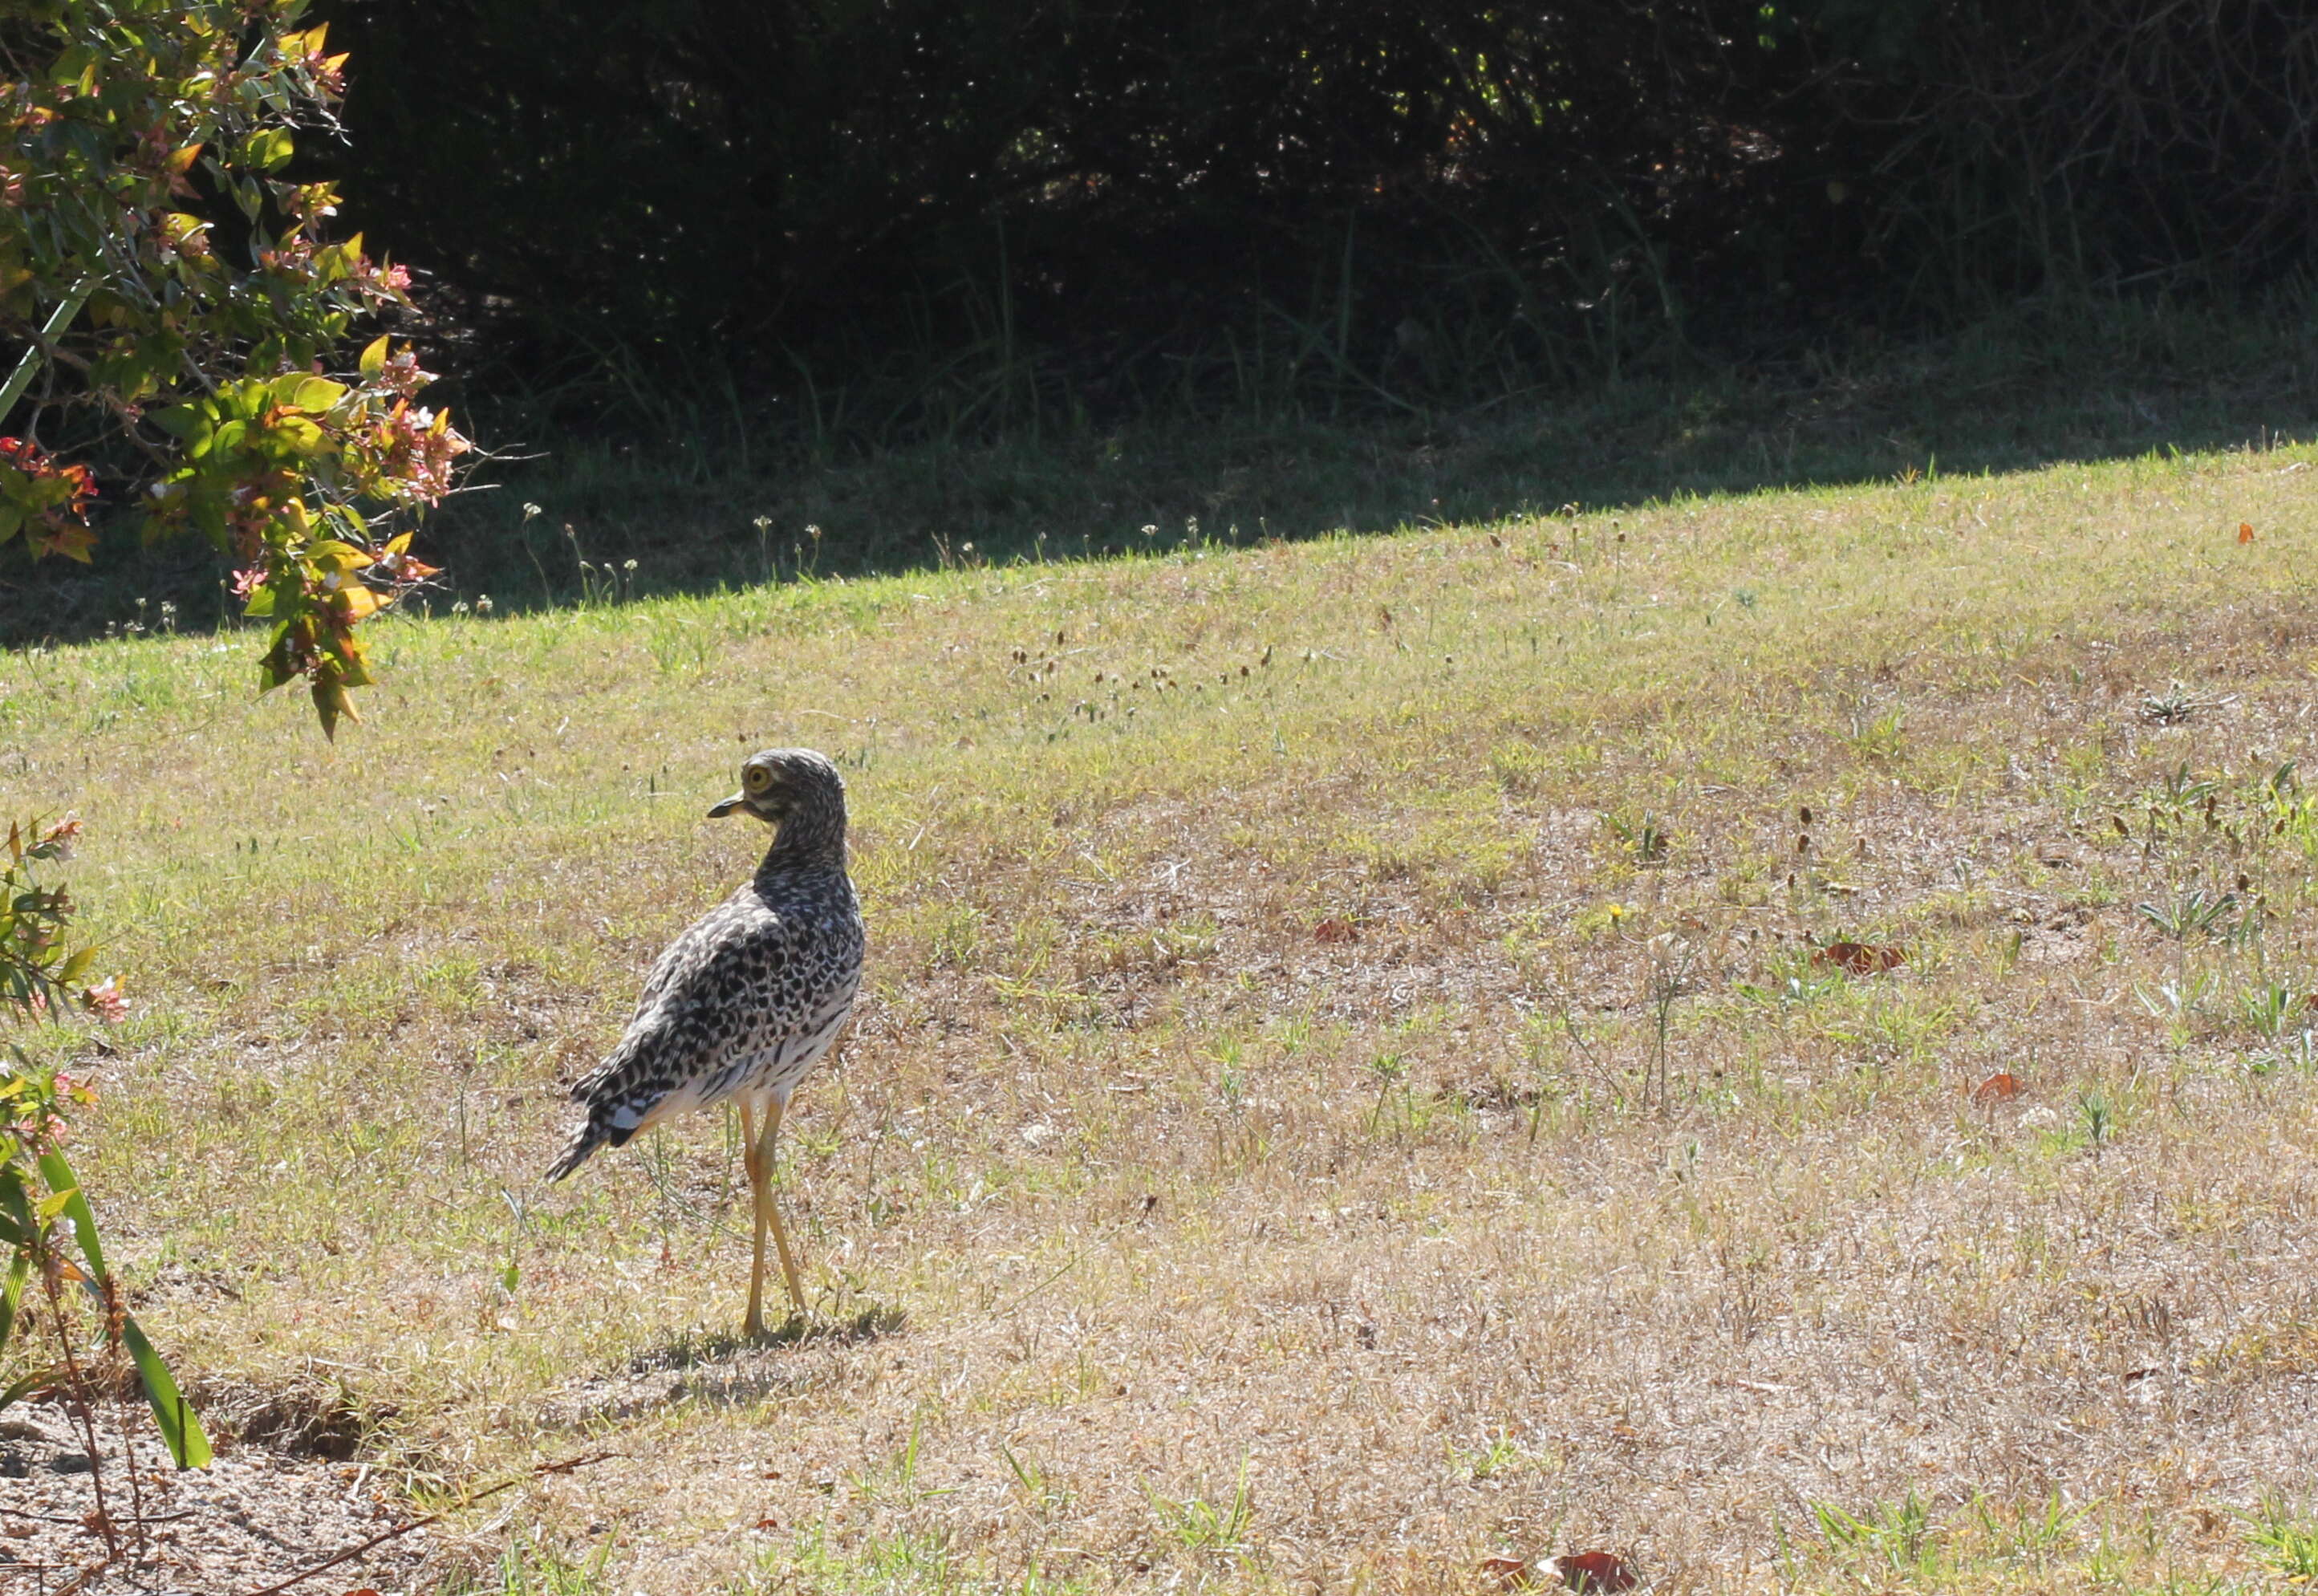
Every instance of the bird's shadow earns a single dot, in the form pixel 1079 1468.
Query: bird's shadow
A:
pixel 688 1349
pixel 720 1370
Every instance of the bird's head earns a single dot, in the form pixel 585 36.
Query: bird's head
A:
pixel 779 785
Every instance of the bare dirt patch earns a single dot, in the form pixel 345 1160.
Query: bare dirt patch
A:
pixel 253 1518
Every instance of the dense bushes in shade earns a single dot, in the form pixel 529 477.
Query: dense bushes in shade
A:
pixel 902 217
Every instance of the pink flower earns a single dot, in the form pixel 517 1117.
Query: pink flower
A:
pixel 104 1001
pixel 401 372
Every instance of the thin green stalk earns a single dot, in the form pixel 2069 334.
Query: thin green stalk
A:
pixel 60 319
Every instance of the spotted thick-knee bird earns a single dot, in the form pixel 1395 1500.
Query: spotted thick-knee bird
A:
pixel 744 1003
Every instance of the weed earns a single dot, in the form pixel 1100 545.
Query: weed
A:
pixel 1895 1536
pixel 2192 912
pixel 2287 1542
pixel 1200 1526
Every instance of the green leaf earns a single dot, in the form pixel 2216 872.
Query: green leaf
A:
pixel 300 435
pixel 374 359
pixel 65 1184
pixel 269 149
pixel 11 1294
pixel 182 421
pixel 181 1431
pixel 39 1379
pixel 318 394
pixel 330 554
pixel 273 669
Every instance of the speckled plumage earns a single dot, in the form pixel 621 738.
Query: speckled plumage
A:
pixel 754 991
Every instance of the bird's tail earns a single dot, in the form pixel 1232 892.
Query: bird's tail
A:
pixel 585 1140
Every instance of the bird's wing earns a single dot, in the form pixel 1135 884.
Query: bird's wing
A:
pixel 704 1012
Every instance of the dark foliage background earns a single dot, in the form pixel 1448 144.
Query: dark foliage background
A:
pixel 885 220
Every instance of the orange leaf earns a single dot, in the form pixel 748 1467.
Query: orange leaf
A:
pixel 1513 1571
pixel 1336 931
pixel 1595 1570
pixel 1997 1087
pixel 73 541
pixel 2245 532
pixel 1861 958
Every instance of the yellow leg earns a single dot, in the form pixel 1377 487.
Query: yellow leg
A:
pixel 771 1211
pixel 753 1325
pixel 757 1155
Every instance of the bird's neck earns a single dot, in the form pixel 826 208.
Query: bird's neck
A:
pixel 807 841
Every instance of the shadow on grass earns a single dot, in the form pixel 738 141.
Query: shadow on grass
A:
pixel 691 1349
pixel 2043 384
pixel 720 1370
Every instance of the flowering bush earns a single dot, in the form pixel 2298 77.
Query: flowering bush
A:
pixel 42 974
pixel 47 1231
pixel 183 305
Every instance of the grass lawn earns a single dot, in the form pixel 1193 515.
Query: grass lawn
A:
pixel 1345 1091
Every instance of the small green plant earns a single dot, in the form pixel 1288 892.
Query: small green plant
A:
pixel 1881 739
pixel 1896 1535
pixel 2287 1543
pixel 1520 768
pixel 2273 1009
pixel 2176 1002
pixel 2037 1532
pixel 1390 1071
pixel 2193 912
pixel 527 1568
pixel 1497 1454
pixel 1038 1487
pixel 1198 1525
pixel 1231 1074
pixel 1790 982
pixel 1644 840
pixel 2098 1115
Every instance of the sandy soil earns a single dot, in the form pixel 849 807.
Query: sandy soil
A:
pixel 253 1518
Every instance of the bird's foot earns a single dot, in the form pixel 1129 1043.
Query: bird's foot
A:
pixel 791 1328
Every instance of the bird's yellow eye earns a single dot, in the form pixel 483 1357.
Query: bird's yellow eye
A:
pixel 757 779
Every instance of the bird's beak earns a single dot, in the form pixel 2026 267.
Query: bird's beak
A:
pixel 717 812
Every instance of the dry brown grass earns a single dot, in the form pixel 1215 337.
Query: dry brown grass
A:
pixel 1550 1198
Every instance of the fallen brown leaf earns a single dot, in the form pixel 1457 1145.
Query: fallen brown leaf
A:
pixel 1595 1570
pixel 1997 1087
pixel 1861 958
